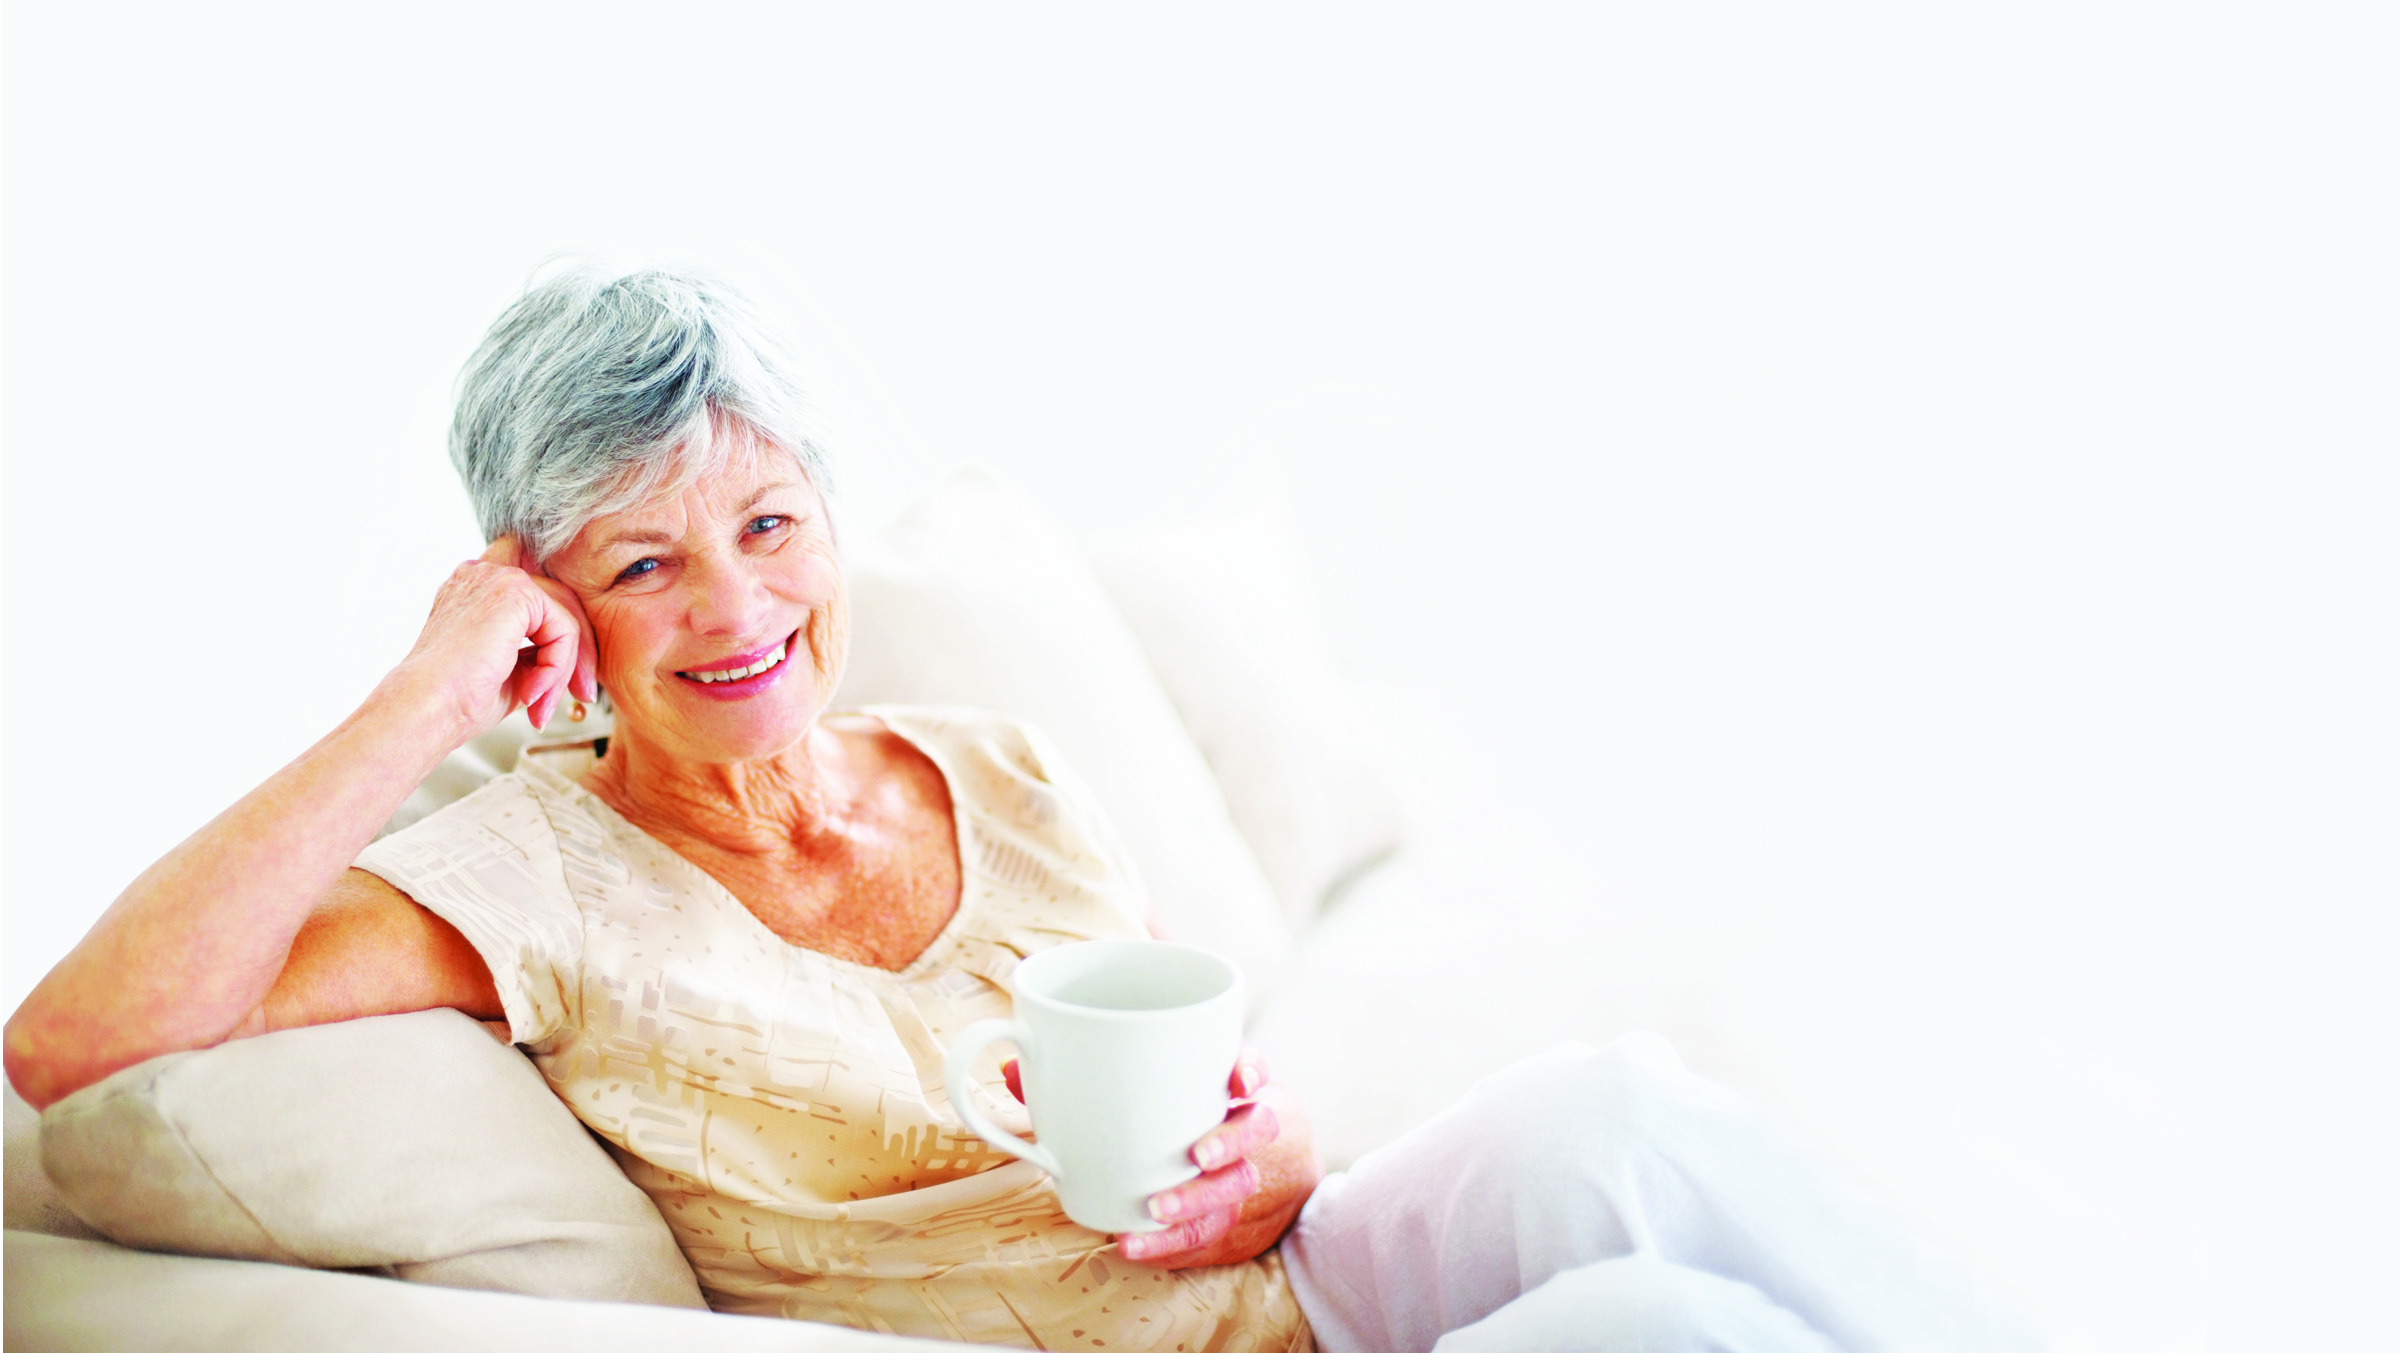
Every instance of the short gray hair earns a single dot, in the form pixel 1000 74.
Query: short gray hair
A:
pixel 597 389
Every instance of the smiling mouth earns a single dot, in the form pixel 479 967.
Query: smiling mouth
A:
pixel 717 676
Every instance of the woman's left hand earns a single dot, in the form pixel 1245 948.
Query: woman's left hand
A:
pixel 1256 1170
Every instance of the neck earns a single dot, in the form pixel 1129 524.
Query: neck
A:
pixel 743 807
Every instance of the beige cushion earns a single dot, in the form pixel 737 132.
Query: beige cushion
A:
pixel 33 1202
pixel 975 597
pixel 411 1144
pixel 1223 610
pixel 67 1296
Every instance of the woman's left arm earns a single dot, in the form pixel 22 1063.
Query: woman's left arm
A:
pixel 1257 1169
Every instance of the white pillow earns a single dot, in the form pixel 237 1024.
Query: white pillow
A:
pixel 975 597
pixel 1222 610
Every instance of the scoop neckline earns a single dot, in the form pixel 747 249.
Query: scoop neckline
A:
pixel 945 939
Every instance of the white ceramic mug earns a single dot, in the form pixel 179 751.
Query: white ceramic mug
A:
pixel 1126 1050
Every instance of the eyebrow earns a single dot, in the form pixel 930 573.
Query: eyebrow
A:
pixel 664 538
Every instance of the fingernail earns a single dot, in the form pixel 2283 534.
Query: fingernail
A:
pixel 1208 1154
pixel 1165 1207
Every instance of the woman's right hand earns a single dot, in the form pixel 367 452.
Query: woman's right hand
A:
pixel 503 636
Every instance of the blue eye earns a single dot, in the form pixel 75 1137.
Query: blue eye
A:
pixel 761 525
pixel 636 569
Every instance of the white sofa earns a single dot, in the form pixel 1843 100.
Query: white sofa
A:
pixel 1266 800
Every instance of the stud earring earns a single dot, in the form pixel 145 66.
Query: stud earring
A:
pixel 577 713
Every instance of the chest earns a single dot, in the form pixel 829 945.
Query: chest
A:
pixel 872 880
pixel 877 901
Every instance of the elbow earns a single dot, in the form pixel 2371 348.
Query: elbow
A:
pixel 32 1059
pixel 55 1044
pixel 50 1054
pixel 51 1051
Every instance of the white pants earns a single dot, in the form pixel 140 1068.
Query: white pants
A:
pixel 1613 1200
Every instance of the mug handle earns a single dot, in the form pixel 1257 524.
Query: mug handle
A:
pixel 970 1043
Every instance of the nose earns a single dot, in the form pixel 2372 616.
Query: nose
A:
pixel 728 597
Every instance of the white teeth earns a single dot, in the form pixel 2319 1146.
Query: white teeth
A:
pixel 739 673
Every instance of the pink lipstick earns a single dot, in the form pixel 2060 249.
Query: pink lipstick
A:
pixel 744 674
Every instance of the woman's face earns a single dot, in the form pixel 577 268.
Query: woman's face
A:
pixel 720 614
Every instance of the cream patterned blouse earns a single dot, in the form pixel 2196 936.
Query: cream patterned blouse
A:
pixel 784 1108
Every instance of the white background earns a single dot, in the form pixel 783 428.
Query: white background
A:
pixel 1913 490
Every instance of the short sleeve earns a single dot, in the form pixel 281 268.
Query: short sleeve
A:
pixel 1013 782
pixel 489 864
pixel 1085 816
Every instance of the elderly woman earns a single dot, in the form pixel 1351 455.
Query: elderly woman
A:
pixel 738 935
